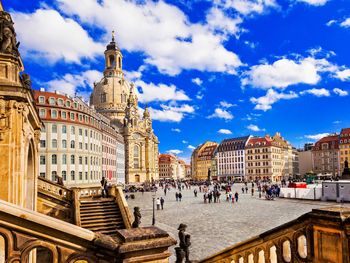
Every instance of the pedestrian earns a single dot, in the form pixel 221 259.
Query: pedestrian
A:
pixel 177 196
pixel 205 198
pixel 158 203
pixel 165 190
pixel 104 188
pixel 252 191
pixel 242 190
pixel 236 196
pixel 162 202
pixel 218 197
pixel 180 196
pixel 195 193
pixel 246 189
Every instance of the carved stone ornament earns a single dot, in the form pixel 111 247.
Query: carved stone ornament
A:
pixel 8 42
pixel 27 83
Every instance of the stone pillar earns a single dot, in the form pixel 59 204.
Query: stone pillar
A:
pixel 19 125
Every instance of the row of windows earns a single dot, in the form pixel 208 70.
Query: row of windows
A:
pixel 60 102
pixel 55 114
pixel 94 175
pixel 232 153
pixel 257 164
pixel 93 134
pixel 231 159
pixel 54 144
pixel 93 160
pixel 258 171
pixel 231 166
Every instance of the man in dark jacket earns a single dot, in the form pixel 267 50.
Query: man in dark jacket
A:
pixel 104 187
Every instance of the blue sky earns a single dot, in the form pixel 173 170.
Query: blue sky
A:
pixel 207 69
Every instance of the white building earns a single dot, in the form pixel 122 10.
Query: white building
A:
pixel 231 158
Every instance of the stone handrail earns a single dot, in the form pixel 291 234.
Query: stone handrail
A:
pixel 59 191
pixel 117 192
pixel 319 236
pixel 92 191
pixel 24 231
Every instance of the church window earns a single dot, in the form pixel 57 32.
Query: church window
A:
pixel 119 62
pixel 136 157
pixel 111 61
pixel 103 97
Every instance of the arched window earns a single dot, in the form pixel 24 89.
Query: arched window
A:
pixel 136 157
pixel 72 144
pixel 72 159
pixel 64 143
pixel 112 61
pixel 119 62
pixel 54 176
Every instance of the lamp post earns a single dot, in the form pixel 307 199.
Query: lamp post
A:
pixel 153 215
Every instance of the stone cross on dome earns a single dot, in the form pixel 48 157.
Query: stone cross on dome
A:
pixel 113 35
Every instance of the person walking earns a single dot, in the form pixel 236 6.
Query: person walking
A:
pixel 165 190
pixel 180 196
pixel 246 189
pixel 195 193
pixel 252 191
pixel 205 198
pixel 177 196
pixel 242 190
pixel 158 203
pixel 162 202
pixel 236 196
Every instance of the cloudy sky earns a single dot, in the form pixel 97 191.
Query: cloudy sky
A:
pixel 208 69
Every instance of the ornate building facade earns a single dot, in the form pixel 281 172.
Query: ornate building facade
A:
pixel 114 97
pixel 201 160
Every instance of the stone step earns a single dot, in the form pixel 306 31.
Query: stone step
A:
pixel 98 211
pixel 99 200
pixel 98 219
pixel 103 228
pixel 93 224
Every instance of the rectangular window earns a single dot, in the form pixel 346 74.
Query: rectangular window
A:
pixel 86 175
pixel 80 117
pixel 72 175
pixel 86 160
pixel 80 160
pixel 64 129
pixel 80 175
pixel 72 116
pixel 86 132
pixel 54 159
pixel 42 159
pixel 80 145
pixel 64 144
pixel 80 131
pixel 63 115
pixel 54 143
pixel 64 159
pixel 54 114
pixel 72 130
pixel 42 113
pixel 72 159
pixel 54 128
pixel 42 143
pixel 42 175
pixel 64 175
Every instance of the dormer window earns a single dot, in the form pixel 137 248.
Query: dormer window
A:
pixel 52 101
pixel 68 103
pixel 60 102
pixel 42 99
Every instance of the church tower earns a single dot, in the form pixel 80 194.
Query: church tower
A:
pixel 110 94
pixel 116 98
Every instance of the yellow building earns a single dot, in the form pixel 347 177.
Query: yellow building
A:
pixel 114 97
pixel 201 160
pixel 344 145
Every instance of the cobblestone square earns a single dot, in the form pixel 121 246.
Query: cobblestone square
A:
pixel 216 226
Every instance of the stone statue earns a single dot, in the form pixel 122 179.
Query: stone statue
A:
pixel 8 43
pixel 185 242
pixel 137 216
pixel 27 83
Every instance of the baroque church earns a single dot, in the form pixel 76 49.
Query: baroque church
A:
pixel 114 97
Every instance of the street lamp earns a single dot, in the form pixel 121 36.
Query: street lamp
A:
pixel 153 215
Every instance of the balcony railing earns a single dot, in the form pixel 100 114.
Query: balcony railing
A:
pixel 319 236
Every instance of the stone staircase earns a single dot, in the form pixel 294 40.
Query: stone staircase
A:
pixel 101 215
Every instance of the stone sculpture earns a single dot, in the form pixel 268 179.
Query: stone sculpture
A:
pixel 137 216
pixel 8 43
pixel 185 243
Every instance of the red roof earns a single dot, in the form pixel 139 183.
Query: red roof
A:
pixel 208 151
pixel 259 141
pixel 166 158
pixel 345 131
pixel 331 140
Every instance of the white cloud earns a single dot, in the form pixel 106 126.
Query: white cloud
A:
pixel 336 122
pixel 316 136
pixel 197 81
pixel 227 105
pixel 69 84
pixel 46 34
pixel 171 113
pixel 175 130
pixel 224 131
pixel 331 22
pixel 317 92
pixel 217 20
pixel 314 2
pixel 191 147
pixel 255 128
pixel 246 7
pixel 285 72
pixel 343 75
pixel 265 102
pixel 345 23
pixel 184 142
pixel 161 31
pixel 175 151
pixel 340 92
pixel 161 92
pixel 221 114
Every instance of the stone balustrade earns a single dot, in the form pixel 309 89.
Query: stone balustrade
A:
pixel 58 191
pixel 28 236
pixel 322 235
